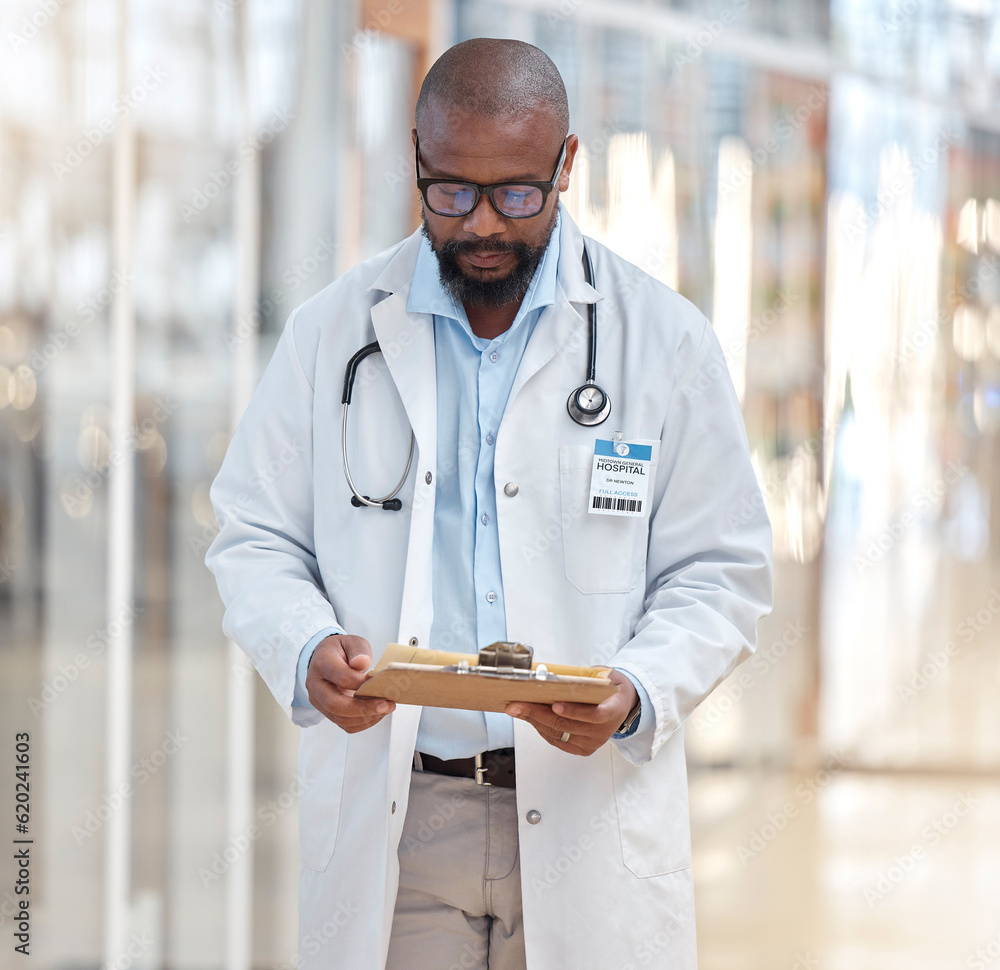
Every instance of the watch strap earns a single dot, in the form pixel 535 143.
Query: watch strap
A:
pixel 630 720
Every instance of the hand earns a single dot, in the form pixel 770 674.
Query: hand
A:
pixel 589 725
pixel 336 670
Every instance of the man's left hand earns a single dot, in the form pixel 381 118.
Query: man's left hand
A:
pixel 589 725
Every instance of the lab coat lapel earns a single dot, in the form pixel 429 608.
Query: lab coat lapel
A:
pixel 407 343
pixel 567 315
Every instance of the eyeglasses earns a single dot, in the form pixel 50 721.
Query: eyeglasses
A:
pixel 513 200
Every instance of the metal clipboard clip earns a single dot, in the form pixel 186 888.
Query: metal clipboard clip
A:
pixel 506 653
pixel 505 659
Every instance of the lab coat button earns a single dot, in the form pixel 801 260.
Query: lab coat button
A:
pixel 428 478
pixel 393 808
pixel 534 816
pixel 510 490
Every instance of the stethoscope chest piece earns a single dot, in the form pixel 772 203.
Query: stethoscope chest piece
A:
pixel 589 405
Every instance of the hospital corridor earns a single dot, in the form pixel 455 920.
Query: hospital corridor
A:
pixel 819 178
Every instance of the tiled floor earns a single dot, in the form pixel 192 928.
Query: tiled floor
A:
pixel 846 871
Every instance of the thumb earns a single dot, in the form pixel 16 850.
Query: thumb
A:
pixel 358 652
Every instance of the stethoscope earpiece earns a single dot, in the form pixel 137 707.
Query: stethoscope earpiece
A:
pixel 588 405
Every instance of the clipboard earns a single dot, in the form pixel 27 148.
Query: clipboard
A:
pixel 503 672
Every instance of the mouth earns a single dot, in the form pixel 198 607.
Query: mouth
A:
pixel 485 260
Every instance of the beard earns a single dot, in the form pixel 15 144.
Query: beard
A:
pixel 490 292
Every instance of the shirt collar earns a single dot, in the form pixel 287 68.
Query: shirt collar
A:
pixel 428 294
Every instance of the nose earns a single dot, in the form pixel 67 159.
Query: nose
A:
pixel 484 220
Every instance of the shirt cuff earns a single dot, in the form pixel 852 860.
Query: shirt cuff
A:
pixel 301 699
pixel 645 706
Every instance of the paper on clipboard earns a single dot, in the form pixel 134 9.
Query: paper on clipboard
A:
pixel 412 675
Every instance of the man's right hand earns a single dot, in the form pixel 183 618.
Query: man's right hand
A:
pixel 335 672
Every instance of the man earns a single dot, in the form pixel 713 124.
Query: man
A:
pixel 570 846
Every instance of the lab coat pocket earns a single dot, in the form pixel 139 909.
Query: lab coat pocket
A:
pixel 603 553
pixel 322 755
pixel 652 804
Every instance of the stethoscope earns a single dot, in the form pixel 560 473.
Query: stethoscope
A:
pixel 588 405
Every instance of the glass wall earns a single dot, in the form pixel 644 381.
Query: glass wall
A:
pixel 220 96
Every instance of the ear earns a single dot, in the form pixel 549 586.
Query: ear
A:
pixel 572 144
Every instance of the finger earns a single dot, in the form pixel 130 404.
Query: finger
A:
pixel 329 699
pixel 577 744
pixel 352 724
pixel 354 727
pixel 543 714
pixel 593 713
pixel 580 735
pixel 526 710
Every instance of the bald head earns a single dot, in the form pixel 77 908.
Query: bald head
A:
pixel 493 78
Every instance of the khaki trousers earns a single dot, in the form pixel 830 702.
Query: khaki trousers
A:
pixel 459 901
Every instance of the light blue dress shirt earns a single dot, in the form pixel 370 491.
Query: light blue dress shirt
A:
pixel 474 380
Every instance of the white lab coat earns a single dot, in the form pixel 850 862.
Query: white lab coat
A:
pixel 674 597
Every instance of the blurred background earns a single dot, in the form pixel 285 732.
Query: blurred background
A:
pixel 821 179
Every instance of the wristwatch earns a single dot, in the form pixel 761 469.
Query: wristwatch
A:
pixel 633 717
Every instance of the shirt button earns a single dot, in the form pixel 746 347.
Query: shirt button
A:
pixel 534 816
pixel 490 439
pixel 485 519
pixel 491 597
pixel 494 356
pixel 510 490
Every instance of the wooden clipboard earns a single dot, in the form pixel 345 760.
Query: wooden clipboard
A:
pixel 413 675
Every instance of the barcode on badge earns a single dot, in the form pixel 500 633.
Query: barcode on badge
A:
pixel 605 502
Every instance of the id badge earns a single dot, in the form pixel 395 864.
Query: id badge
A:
pixel 619 482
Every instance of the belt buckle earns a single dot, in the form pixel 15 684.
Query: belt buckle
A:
pixel 481 771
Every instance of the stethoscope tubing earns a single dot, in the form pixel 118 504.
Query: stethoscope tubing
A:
pixel 588 272
pixel 358 498
pixel 577 409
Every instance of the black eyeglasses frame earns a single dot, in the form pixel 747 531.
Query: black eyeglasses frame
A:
pixel 423 184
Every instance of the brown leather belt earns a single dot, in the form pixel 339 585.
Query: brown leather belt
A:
pixel 494 767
